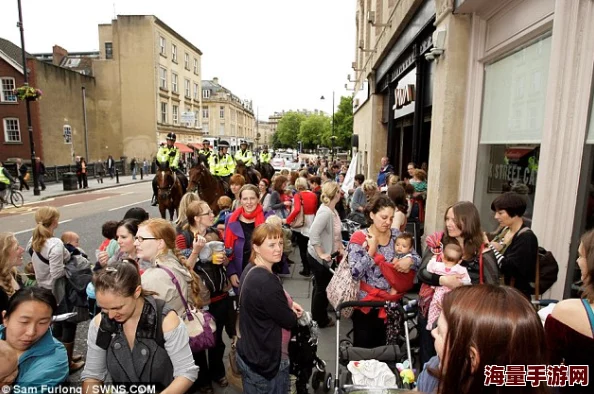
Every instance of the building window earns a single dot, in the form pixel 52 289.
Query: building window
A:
pixel 188 90
pixel 222 129
pixel 222 112
pixel 12 132
pixel 174 82
pixel 204 112
pixel 7 94
pixel 162 46
pixel 67 134
pixel 174 53
pixel 195 91
pixel 186 60
pixel 205 93
pixel 175 114
pixel 205 128
pixel 196 118
pixel 108 50
pixel 163 78
pixel 195 66
pixel 511 127
pixel 164 113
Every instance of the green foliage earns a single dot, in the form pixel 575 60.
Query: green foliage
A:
pixel 343 118
pixel 312 128
pixel 287 131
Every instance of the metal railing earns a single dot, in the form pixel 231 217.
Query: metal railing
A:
pixel 56 173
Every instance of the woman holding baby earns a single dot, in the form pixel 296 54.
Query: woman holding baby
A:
pixel 385 263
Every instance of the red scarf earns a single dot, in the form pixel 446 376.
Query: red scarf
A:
pixel 257 215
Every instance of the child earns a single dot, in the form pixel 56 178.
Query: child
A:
pixel 403 247
pixel 449 265
pixel 419 181
pixel 109 245
pixel 224 203
pixel 9 368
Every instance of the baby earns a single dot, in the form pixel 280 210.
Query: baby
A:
pixel 9 368
pixel 449 265
pixel 403 247
pixel 71 242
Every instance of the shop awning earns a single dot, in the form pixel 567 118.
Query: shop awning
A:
pixel 517 153
pixel 195 145
pixel 183 148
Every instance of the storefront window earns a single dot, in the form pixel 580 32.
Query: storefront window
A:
pixel 514 100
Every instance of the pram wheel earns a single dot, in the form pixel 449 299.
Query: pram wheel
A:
pixel 316 379
pixel 322 381
pixel 327 382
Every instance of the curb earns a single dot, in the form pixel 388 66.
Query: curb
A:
pixel 89 190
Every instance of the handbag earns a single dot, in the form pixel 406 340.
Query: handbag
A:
pixel 200 324
pixel 343 287
pixel 299 220
pixel 27 177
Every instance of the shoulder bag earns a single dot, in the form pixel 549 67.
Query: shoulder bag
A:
pixel 299 220
pixel 200 324
pixel 343 287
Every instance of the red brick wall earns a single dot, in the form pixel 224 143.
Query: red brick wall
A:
pixel 22 149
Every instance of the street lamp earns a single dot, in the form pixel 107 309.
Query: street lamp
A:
pixel 36 191
pixel 332 136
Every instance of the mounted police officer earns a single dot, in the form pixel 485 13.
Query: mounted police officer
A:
pixel 244 154
pixel 169 154
pixel 205 151
pixel 265 156
pixel 222 164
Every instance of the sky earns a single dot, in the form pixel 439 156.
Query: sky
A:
pixel 281 54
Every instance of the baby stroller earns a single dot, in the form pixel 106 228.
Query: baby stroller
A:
pixel 303 349
pixel 398 352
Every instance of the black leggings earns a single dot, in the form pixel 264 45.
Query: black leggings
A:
pixel 64 331
pixel 426 341
pixel 302 241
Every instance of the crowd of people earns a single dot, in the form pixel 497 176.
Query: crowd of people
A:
pixel 163 295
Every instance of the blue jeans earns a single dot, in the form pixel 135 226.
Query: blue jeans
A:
pixel 254 383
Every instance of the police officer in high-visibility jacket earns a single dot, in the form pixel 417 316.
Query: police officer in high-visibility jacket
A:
pixel 265 156
pixel 205 151
pixel 244 154
pixel 169 154
pixel 5 181
pixel 222 164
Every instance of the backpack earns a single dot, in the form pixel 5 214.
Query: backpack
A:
pixel 547 269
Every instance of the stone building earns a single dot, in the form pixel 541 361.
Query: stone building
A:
pixel 265 130
pixel 226 116
pixel 495 96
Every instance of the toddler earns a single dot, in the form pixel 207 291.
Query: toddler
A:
pixel 419 181
pixel 403 247
pixel 9 368
pixel 110 244
pixel 449 265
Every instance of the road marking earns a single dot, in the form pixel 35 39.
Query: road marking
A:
pixel 71 205
pixel 128 205
pixel 65 221
pixel 31 229
pixel 103 198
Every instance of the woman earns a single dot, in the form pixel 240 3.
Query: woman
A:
pixel 11 256
pixel 280 201
pixel 264 194
pixel 369 251
pixel 42 358
pixel 49 256
pixel 309 201
pixel 267 316
pixel 239 230
pixel 515 245
pixel 187 198
pixel 125 234
pixel 398 196
pixel 236 182
pixel 323 233
pixel 569 328
pixel 137 338
pixel 462 226
pixel 483 327
pixel 193 237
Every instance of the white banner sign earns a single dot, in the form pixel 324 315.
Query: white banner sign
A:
pixel 349 178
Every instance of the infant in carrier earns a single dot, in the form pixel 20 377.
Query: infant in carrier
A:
pixel 448 263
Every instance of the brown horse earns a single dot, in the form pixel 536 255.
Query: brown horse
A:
pixel 169 190
pixel 249 174
pixel 208 186
pixel 265 169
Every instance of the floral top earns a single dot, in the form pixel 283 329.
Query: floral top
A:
pixel 364 268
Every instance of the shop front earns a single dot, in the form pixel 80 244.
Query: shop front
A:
pixel 527 121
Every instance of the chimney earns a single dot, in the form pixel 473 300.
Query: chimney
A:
pixel 215 80
pixel 59 53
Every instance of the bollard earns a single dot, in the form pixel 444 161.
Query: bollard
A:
pixel 117 176
pixel 141 173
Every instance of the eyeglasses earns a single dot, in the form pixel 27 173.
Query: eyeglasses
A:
pixel 142 239
pixel 206 213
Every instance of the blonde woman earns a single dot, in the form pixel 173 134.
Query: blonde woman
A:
pixel 324 240
pixel 49 256
pixel 187 198
pixel 11 256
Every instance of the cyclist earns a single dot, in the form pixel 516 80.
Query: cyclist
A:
pixel 6 180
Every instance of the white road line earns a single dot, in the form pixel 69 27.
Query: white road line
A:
pixel 128 205
pixel 65 221
pixel 71 205
pixel 31 229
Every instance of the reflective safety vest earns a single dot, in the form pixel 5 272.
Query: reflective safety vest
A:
pixel 3 178
pixel 245 156
pixel 221 165
pixel 265 157
pixel 163 155
pixel 206 153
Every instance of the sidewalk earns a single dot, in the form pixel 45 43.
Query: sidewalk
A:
pixel 57 189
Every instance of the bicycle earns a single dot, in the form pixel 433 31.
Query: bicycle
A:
pixel 14 197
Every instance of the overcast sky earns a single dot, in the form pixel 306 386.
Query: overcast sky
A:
pixel 282 54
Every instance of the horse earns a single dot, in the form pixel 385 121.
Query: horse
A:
pixel 249 174
pixel 208 186
pixel 169 190
pixel 266 169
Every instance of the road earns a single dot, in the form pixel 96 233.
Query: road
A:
pixel 85 213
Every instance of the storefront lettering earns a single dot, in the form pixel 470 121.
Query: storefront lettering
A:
pixel 404 96
pixel 513 173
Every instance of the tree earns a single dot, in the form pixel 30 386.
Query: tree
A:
pixel 312 128
pixel 287 131
pixel 343 123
